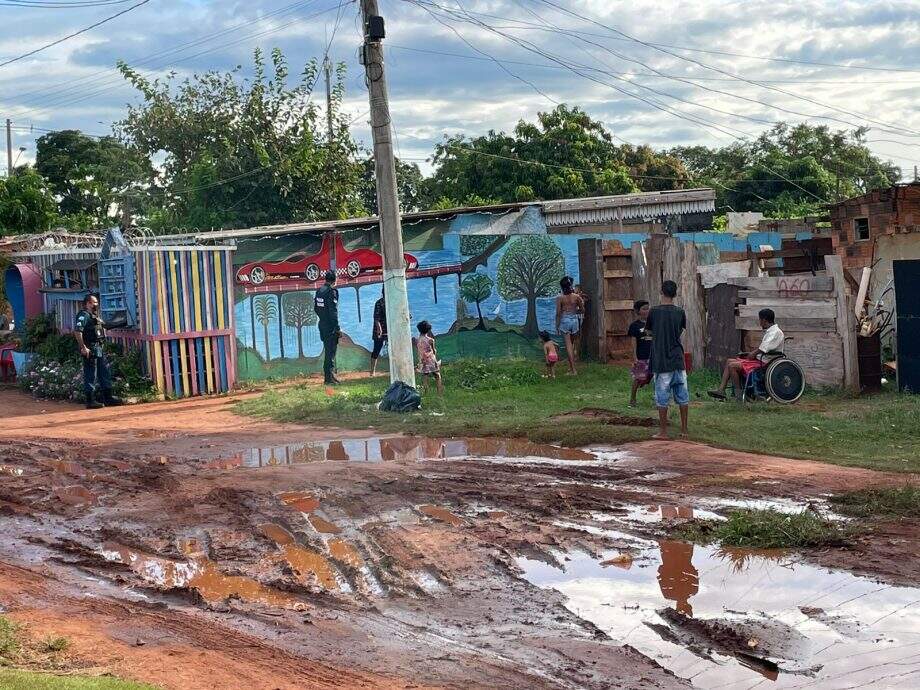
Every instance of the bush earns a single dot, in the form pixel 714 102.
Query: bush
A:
pixel 36 330
pixel 59 346
pixel 62 379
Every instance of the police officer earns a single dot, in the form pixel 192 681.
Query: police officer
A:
pixel 90 334
pixel 326 306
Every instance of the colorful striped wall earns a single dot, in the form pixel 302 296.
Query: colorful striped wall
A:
pixel 185 318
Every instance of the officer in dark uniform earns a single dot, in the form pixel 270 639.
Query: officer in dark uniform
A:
pixel 89 331
pixel 326 306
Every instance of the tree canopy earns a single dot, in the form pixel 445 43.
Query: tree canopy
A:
pixel 240 152
pixel 790 170
pixel 27 204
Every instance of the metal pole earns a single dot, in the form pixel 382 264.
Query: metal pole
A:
pixel 394 267
pixel 9 148
pixel 327 68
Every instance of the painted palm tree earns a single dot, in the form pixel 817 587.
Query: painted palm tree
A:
pixel 266 312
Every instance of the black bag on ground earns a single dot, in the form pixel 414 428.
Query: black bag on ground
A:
pixel 400 398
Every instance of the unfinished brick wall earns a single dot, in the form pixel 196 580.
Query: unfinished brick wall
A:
pixel 889 211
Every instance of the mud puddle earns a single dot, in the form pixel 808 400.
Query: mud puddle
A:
pixel 737 618
pixel 406 450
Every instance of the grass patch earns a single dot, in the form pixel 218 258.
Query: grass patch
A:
pixel 509 398
pixel 31 680
pixel 765 529
pixel 27 664
pixel 883 502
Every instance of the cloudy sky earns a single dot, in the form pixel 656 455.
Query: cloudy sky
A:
pixel 661 72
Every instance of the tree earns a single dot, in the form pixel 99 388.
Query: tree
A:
pixel 564 154
pixel 471 245
pixel 477 287
pixel 789 170
pixel 299 313
pixel 26 203
pixel 409 187
pixel 243 152
pixel 531 267
pixel 93 178
pixel 265 312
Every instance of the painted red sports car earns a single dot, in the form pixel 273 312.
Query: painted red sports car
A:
pixel 311 267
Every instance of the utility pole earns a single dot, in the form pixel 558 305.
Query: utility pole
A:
pixel 402 366
pixel 9 148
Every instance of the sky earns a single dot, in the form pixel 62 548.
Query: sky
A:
pixel 664 73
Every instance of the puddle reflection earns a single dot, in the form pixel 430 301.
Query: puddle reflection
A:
pixel 407 449
pixel 727 616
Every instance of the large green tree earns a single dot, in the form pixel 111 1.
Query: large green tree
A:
pixel 567 154
pixel 531 267
pixel 789 170
pixel 27 204
pixel 242 152
pixel 93 178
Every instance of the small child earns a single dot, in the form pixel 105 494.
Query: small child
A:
pixel 551 354
pixel 428 364
pixel 641 373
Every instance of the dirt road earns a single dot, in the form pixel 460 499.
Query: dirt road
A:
pixel 182 545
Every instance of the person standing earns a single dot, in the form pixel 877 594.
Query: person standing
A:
pixel 326 306
pixel 379 334
pixel 666 323
pixel 568 308
pixel 641 374
pixel 89 330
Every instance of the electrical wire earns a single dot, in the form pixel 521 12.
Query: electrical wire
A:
pixel 60 5
pixel 75 33
pixel 704 65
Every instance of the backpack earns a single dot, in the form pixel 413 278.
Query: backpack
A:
pixel 400 397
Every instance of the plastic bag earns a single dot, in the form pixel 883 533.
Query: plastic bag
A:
pixel 400 397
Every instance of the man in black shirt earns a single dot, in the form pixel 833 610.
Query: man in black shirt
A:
pixel 666 323
pixel 89 330
pixel 326 306
pixel 380 330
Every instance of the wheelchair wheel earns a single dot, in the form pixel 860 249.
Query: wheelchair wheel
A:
pixel 784 380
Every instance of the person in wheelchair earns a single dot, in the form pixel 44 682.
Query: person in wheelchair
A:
pixel 737 369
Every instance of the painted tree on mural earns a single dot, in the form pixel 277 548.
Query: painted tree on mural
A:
pixel 477 287
pixel 531 267
pixel 266 312
pixel 299 313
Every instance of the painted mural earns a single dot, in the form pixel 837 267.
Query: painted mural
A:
pixel 485 294
pixel 486 282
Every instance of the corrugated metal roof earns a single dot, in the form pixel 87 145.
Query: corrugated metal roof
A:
pixel 642 206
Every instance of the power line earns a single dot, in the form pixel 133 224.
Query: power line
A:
pixel 704 65
pixel 76 33
pixel 650 74
pixel 60 5
pixel 57 95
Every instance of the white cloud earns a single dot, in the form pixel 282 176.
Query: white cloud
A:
pixel 75 84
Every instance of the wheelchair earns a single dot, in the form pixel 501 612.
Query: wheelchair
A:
pixel 780 379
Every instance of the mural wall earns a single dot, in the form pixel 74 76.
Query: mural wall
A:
pixel 487 283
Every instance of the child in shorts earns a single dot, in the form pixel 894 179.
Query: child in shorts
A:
pixel 550 354
pixel 428 363
pixel 641 373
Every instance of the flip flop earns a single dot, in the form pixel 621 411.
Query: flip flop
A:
pixel 717 395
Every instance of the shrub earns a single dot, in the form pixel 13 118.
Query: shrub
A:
pixel 62 379
pixel 37 330
pixel 478 374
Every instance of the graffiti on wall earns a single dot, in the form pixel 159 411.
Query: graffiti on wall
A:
pixel 485 294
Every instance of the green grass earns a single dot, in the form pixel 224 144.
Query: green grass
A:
pixel 765 529
pixel 52 644
pixel 30 680
pixel 508 398
pixel 884 502
pixel 9 639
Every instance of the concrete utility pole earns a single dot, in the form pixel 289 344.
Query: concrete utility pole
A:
pixel 9 148
pixel 327 68
pixel 394 266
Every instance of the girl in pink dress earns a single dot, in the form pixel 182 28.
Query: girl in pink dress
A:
pixel 428 364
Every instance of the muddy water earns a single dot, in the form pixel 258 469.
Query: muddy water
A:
pixel 740 619
pixel 409 449
pixel 199 574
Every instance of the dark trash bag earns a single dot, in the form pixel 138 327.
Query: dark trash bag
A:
pixel 400 398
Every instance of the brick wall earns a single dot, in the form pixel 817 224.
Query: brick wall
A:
pixel 890 211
